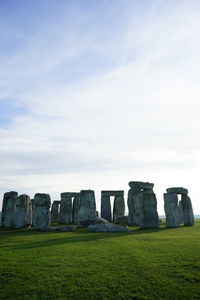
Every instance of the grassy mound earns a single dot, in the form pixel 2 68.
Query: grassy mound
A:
pixel 144 264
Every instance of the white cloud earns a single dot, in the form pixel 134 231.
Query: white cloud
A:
pixel 134 118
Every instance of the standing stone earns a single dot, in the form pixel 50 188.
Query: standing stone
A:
pixel 135 202
pixel 55 211
pixel 23 211
pixel 181 218
pixel 149 215
pixel 66 208
pixel 187 210
pixel 9 210
pixel 119 206
pixel 105 207
pixel 41 214
pixel 87 210
pixel 76 206
pixel 172 210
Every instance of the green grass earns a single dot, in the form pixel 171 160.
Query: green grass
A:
pixel 143 264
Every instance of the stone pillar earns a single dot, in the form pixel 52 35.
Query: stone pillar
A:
pixel 55 216
pixel 172 210
pixel 76 206
pixel 149 215
pixel 188 215
pixel 9 210
pixel 23 215
pixel 66 208
pixel 119 206
pixel 181 212
pixel 87 209
pixel 105 207
pixel 140 211
pixel 41 214
pixel 135 201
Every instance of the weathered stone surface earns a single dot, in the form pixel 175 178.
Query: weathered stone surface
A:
pixel 141 185
pixel 118 207
pixel 149 216
pixel 135 203
pixel 41 214
pixel 181 218
pixel 76 206
pixel 55 214
pixel 112 193
pixel 107 228
pixel 122 220
pixel 106 207
pixel 23 215
pixel 172 211
pixel 66 208
pixel 177 190
pixel 70 194
pixel 9 209
pixel 61 229
pixel 188 215
pixel 87 208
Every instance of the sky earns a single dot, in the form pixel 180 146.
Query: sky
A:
pixel 94 94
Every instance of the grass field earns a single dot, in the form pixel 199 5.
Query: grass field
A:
pixel 143 264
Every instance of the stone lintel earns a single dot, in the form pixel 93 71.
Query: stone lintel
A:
pixel 69 194
pixel 141 185
pixel 177 190
pixel 112 193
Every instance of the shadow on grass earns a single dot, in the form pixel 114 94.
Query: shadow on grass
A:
pixel 79 236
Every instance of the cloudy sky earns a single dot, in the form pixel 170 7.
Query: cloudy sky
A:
pixel 94 94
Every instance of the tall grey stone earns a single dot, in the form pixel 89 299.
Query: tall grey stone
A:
pixel 149 214
pixel 66 208
pixel 119 206
pixel 55 211
pixel 181 212
pixel 76 206
pixel 23 215
pixel 87 209
pixel 135 202
pixel 172 210
pixel 105 207
pixel 187 210
pixel 9 209
pixel 41 213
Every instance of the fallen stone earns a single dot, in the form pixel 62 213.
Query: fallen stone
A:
pixel 94 221
pixel 107 228
pixel 61 229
